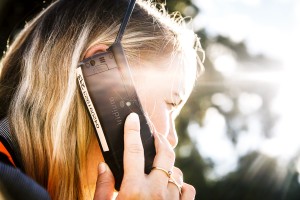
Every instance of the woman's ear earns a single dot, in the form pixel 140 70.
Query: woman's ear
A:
pixel 95 49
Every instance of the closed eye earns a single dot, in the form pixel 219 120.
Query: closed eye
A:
pixel 174 105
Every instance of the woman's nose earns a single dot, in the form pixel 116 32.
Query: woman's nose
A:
pixel 172 135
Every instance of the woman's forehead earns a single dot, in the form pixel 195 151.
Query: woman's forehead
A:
pixel 182 72
pixel 174 76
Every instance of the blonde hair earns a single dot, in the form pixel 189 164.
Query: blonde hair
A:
pixel 38 89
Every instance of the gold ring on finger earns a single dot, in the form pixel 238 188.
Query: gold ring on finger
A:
pixel 172 180
pixel 167 172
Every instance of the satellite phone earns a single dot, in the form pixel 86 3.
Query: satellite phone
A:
pixel 107 88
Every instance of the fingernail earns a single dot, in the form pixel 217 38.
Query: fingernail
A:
pixel 133 117
pixel 101 168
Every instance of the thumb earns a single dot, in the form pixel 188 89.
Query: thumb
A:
pixel 105 183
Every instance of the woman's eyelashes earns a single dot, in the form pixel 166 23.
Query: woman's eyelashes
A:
pixel 174 104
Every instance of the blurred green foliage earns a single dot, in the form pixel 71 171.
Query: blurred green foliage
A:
pixel 256 176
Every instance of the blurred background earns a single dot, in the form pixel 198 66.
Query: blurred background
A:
pixel 238 133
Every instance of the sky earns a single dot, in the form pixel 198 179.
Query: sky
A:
pixel 267 26
pixel 271 28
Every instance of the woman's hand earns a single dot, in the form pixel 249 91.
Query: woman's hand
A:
pixel 136 184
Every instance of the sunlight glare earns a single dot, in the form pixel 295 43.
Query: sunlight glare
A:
pixel 286 139
pixel 213 143
pixel 223 101
pixel 249 102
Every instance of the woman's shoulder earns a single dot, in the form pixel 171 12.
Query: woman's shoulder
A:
pixel 14 184
pixel 9 153
pixel 6 150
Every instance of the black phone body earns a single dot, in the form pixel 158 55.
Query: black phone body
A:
pixel 107 88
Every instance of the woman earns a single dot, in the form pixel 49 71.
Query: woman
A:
pixel 40 96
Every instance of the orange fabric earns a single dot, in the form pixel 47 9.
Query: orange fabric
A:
pixel 5 152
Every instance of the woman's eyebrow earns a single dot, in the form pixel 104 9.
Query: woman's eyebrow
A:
pixel 178 96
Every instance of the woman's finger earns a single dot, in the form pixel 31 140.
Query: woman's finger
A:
pixel 178 176
pixel 175 184
pixel 164 151
pixel 105 183
pixel 133 147
pixel 163 161
pixel 188 192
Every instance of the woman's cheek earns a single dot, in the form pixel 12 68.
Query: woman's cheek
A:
pixel 161 123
